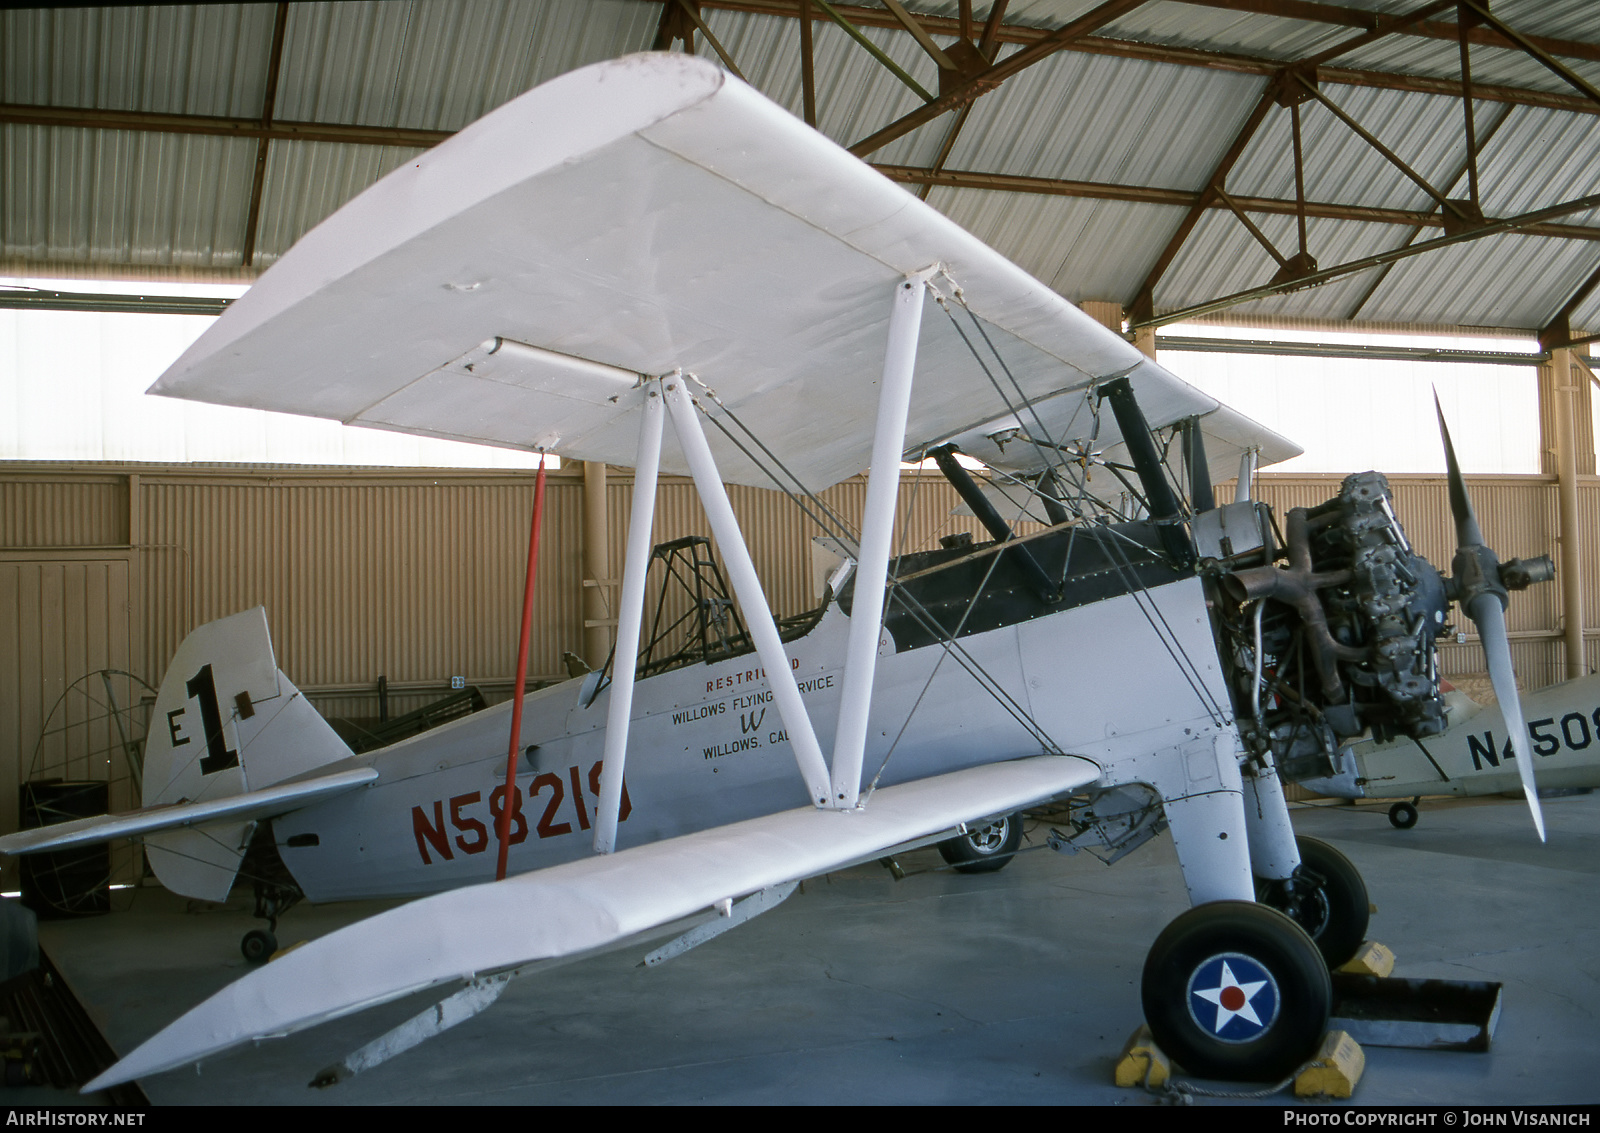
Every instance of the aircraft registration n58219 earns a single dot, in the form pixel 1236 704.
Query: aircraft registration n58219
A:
pixel 649 240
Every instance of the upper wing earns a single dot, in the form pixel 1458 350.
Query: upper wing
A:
pixel 582 906
pixel 633 217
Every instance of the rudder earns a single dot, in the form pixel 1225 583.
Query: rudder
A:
pixel 226 721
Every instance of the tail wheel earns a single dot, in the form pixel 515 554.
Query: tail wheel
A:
pixel 1326 897
pixel 258 945
pixel 1238 991
pixel 986 848
pixel 1403 816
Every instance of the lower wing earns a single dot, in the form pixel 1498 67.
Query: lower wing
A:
pixel 582 907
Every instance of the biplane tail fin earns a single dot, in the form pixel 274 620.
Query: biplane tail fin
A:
pixel 231 742
pixel 226 723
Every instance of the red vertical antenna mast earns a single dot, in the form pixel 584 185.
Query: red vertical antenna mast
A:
pixel 508 801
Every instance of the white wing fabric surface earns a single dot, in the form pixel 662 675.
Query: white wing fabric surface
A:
pixel 581 907
pixel 638 216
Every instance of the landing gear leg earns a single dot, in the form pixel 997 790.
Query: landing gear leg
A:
pixel 272 901
pixel 1309 881
pixel 1326 897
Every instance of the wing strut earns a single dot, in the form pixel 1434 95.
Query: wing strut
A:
pixel 746 584
pixel 877 526
pixel 630 614
pixel 894 401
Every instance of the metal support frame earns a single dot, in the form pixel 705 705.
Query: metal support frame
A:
pixel 874 50
pixel 808 75
pixel 269 101
pixel 877 528
pixel 630 615
pixel 747 587
pixel 995 74
pixel 1563 403
pixel 1323 275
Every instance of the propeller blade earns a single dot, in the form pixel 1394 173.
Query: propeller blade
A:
pixel 1468 533
pixel 1491 621
pixel 1477 572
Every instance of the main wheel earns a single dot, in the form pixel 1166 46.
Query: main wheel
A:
pixel 984 849
pixel 1403 816
pixel 1326 897
pixel 1236 990
pixel 258 945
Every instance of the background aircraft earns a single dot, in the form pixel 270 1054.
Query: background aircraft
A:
pixel 647 240
pixel 1474 756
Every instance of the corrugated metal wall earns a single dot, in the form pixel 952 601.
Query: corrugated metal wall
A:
pixel 417 576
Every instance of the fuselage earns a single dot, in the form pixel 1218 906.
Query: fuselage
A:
pixel 1097 673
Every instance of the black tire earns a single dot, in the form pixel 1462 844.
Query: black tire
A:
pixel 258 945
pixel 986 848
pixel 1236 990
pixel 1328 900
pixel 1403 816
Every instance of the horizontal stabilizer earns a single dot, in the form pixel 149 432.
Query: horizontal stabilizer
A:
pixel 147 820
pixel 582 907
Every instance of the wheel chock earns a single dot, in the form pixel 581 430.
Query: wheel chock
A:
pixel 1142 1062
pixel 1335 1069
pixel 1372 960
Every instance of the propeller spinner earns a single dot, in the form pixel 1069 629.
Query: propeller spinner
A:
pixel 1479 583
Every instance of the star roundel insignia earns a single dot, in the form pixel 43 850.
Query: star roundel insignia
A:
pixel 1233 998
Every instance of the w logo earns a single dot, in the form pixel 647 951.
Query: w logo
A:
pixel 750 721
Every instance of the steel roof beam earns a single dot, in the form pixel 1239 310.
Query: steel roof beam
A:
pixel 995 74
pixel 268 102
pixel 692 12
pixel 1144 299
pixel 1437 220
pixel 920 34
pixel 1186 198
pixel 1288 9
pixel 1367 136
pixel 1558 332
pixel 1535 50
pixel 1385 27
pixel 873 49
pixel 1196 57
pixel 278 131
pixel 1326 274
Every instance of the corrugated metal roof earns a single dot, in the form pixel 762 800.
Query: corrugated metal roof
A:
pixel 855 93
pixel 439 65
pixel 205 59
pixel 1423 130
pixel 1241 33
pixel 1507 280
pixel 1221 258
pixel 122 199
pixel 1072 117
pixel 113 196
pixel 306 181
pixel 1085 249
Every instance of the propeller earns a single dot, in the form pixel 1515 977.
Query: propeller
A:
pixel 1480 583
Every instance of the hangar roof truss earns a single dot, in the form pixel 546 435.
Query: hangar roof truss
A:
pixel 1385 160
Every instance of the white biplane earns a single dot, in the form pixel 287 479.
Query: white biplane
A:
pixel 647 240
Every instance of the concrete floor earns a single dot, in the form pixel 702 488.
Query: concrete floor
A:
pixel 1017 987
